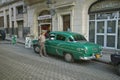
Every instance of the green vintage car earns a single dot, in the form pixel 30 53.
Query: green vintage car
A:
pixel 72 46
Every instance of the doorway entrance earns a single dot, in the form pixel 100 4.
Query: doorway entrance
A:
pixel 106 34
pixel 104 29
pixel 20 29
pixel 44 27
pixel 104 23
pixel 44 21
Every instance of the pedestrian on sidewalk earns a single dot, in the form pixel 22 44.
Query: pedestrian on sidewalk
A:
pixel 42 44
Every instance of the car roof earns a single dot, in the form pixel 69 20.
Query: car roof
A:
pixel 65 33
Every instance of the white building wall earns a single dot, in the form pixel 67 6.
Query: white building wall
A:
pixel 81 17
pixel 31 19
pixel 62 8
pixel 78 9
pixel 10 17
pixel 11 10
pixel 33 13
pixel 6 10
pixel 5 19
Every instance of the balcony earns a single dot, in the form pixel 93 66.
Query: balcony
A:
pixel 19 16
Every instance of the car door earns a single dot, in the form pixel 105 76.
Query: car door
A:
pixel 54 45
pixel 51 44
pixel 61 43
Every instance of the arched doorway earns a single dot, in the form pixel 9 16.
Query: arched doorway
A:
pixel 104 23
pixel 44 21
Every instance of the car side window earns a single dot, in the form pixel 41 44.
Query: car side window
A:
pixel 60 37
pixel 79 38
pixel 70 39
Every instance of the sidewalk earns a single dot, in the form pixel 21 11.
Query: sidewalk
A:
pixel 21 41
pixel 104 59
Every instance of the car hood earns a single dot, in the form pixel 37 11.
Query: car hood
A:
pixel 86 43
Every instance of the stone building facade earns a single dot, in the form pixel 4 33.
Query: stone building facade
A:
pixel 97 20
pixel 13 18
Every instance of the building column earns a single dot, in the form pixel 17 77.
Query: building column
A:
pixel 1 20
pixel 10 21
pixel 5 19
pixel 15 21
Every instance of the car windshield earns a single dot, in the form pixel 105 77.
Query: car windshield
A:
pixel 79 38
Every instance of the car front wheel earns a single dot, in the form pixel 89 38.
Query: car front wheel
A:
pixel 36 49
pixel 68 57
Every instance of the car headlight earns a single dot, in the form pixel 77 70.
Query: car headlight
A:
pixel 83 50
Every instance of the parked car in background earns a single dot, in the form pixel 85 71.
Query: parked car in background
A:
pixel 2 34
pixel 71 46
pixel 115 59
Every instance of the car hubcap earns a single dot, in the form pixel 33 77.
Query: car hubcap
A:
pixel 68 57
pixel 37 49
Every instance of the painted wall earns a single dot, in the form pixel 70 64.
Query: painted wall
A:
pixel 78 9
pixel 79 15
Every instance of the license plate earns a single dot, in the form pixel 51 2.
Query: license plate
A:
pixel 97 56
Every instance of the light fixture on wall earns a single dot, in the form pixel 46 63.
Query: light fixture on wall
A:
pixel 50 4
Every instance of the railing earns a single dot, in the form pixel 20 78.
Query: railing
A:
pixel 19 16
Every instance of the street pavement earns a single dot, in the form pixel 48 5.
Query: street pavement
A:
pixel 104 59
pixel 20 63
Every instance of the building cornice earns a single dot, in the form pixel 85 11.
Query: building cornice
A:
pixel 32 2
pixel 9 3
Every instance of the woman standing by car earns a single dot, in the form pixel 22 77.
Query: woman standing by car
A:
pixel 42 44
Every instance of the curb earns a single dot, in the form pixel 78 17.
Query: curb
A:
pixel 105 62
pixel 17 41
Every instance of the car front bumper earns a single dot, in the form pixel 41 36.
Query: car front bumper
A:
pixel 96 56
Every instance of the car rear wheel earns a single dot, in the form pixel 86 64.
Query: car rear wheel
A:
pixel 36 49
pixel 119 69
pixel 68 57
